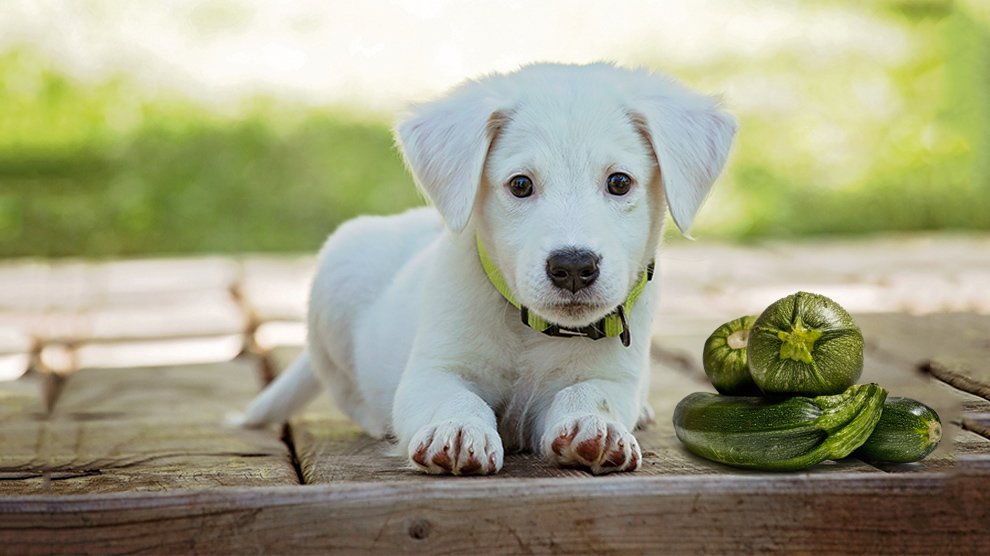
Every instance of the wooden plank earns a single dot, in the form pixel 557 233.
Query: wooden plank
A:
pixel 72 284
pixel 19 398
pixel 277 288
pixel 712 280
pixel 916 339
pixel 150 429
pixel 968 374
pixel 88 314
pixel 135 281
pixel 154 352
pixel 978 423
pixel 200 313
pixel 853 513
pixel 157 315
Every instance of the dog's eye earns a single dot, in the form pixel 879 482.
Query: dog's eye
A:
pixel 521 186
pixel 619 183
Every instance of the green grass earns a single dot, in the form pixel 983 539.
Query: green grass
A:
pixel 923 165
pixel 175 178
pixel 104 169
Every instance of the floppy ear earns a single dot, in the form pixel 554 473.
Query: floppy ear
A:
pixel 690 136
pixel 445 144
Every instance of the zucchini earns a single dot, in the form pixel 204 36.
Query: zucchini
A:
pixel 724 358
pixel 805 344
pixel 908 431
pixel 778 435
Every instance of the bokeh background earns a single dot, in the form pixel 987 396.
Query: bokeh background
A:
pixel 226 126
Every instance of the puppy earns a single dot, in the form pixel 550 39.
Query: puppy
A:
pixel 515 315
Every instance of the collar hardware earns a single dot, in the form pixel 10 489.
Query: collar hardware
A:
pixel 614 324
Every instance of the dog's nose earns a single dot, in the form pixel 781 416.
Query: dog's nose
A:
pixel 572 269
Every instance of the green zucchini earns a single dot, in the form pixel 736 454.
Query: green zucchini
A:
pixel 724 358
pixel 805 344
pixel 778 435
pixel 908 431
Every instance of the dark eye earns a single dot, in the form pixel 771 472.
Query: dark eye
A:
pixel 619 183
pixel 521 186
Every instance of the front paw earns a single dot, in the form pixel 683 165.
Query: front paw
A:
pixel 591 441
pixel 457 448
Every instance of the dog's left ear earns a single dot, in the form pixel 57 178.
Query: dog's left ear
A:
pixel 445 144
pixel 690 135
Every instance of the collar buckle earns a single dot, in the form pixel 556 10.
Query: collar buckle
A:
pixel 594 331
pixel 624 335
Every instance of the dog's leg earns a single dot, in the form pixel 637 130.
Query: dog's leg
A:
pixel 445 426
pixel 584 427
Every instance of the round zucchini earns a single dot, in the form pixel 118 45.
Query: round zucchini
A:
pixel 908 431
pixel 724 358
pixel 805 344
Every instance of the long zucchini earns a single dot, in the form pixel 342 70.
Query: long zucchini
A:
pixel 908 431
pixel 780 435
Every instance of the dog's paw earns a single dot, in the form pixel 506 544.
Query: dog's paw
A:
pixel 457 448
pixel 594 442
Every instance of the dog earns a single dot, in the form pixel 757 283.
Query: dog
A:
pixel 516 314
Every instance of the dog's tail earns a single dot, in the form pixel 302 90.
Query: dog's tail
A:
pixel 289 392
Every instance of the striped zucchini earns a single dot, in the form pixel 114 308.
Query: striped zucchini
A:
pixel 724 358
pixel 908 431
pixel 805 344
pixel 779 435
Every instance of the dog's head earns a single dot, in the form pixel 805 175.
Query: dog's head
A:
pixel 565 173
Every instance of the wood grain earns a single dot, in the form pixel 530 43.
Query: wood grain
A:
pixel 969 374
pixel 852 513
pixel 953 347
pixel 276 288
pixel 978 423
pixel 149 429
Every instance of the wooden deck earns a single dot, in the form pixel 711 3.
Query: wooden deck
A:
pixel 114 441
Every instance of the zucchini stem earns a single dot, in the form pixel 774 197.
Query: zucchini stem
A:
pixel 798 343
pixel 738 339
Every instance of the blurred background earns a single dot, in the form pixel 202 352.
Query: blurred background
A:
pixel 228 126
pixel 168 169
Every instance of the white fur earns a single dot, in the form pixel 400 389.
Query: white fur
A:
pixel 410 336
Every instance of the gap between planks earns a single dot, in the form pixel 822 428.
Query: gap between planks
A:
pixel 266 374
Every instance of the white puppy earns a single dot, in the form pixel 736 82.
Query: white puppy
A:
pixel 556 177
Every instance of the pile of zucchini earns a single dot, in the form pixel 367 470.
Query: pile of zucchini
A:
pixel 788 397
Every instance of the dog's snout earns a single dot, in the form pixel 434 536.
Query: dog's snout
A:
pixel 573 269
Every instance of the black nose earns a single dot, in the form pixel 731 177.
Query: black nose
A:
pixel 572 269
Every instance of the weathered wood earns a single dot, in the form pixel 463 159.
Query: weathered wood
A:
pixel 277 288
pixel 917 339
pixel 112 335
pixel 19 398
pixel 151 429
pixel 155 352
pixel 978 423
pixel 160 429
pixel 967 374
pixel 855 513
pixel 87 314
pixel 80 285
pixel 204 313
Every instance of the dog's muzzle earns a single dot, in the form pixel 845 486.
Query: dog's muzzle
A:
pixel 614 324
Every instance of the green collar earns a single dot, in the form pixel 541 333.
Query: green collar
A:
pixel 611 325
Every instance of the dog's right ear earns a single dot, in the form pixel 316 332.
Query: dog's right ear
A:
pixel 445 144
